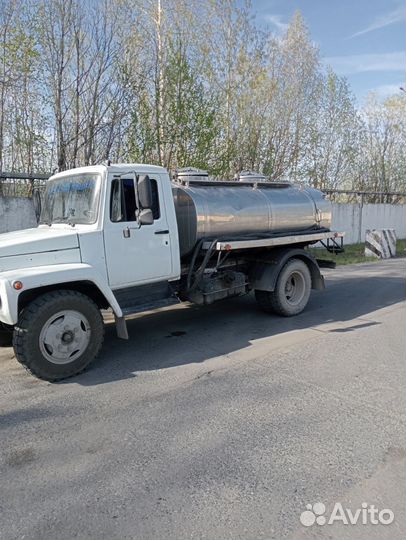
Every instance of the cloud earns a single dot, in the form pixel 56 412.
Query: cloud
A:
pixel 386 90
pixel 276 20
pixel 361 63
pixel 381 21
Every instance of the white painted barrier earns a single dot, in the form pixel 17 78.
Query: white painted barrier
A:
pixel 380 243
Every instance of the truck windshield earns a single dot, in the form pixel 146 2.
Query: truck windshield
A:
pixel 73 199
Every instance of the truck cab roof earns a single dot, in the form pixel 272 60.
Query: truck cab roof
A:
pixel 114 168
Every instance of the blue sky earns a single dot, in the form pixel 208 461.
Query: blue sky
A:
pixel 363 40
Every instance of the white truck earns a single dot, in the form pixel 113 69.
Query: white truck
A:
pixel 128 238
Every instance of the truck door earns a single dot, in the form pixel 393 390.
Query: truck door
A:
pixel 135 253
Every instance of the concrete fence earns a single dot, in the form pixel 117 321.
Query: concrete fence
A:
pixel 16 213
pixel 355 219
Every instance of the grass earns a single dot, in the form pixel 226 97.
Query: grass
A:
pixel 354 253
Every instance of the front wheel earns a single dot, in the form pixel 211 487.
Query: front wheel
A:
pixel 58 335
pixel 292 290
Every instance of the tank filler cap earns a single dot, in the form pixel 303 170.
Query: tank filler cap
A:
pixel 250 176
pixel 190 174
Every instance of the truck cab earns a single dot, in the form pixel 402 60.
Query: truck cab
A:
pixel 102 205
pixel 104 230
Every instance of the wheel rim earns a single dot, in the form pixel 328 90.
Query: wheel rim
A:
pixel 295 288
pixel 64 337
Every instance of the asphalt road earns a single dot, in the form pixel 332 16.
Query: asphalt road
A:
pixel 218 423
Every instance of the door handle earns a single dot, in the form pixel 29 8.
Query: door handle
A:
pixel 165 231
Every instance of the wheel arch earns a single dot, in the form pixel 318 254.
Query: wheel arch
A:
pixel 88 288
pixel 264 273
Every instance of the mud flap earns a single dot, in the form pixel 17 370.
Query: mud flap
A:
pixel 121 327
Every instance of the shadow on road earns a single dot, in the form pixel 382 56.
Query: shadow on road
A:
pixel 191 334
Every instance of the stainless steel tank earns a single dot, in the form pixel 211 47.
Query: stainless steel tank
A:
pixel 233 209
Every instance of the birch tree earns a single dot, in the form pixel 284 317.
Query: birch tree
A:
pixel 173 113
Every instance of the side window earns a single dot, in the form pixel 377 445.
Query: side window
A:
pixel 123 205
pixel 116 211
pixel 155 199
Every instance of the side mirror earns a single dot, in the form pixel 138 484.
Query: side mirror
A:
pixel 146 217
pixel 144 192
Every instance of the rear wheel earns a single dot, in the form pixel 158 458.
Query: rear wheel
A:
pixel 291 293
pixel 58 335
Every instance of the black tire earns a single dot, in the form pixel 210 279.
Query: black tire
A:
pixel 291 293
pixel 36 355
pixel 6 335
